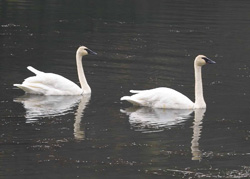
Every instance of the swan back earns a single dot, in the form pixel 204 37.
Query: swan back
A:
pixel 50 84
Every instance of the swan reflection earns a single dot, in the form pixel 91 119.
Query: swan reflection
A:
pixel 40 106
pixel 78 131
pixel 150 119
pixel 154 120
pixel 197 127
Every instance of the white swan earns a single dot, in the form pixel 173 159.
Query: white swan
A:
pixel 53 84
pixel 169 98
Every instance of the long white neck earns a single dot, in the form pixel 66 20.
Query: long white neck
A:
pixel 84 84
pixel 199 99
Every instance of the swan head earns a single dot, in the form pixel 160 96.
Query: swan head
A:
pixel 201 60
pixel 82 51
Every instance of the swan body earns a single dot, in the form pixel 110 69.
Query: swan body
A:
pixel 169 98
pixel 54 84
pixel 161 97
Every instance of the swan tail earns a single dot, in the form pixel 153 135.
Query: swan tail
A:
pixel 27 89
pixel 136 91
pixel 123 111
pixel 129 99
pixel 37 72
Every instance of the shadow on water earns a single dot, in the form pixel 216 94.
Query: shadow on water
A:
pixel 40 106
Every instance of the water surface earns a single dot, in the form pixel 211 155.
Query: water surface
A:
pixel 140 45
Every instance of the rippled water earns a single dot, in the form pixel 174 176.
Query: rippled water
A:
pixel 140 45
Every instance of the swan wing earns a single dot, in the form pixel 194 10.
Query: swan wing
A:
pixel 28 89
pixel 49 84
pixel 136 91
pixel 32 69
pixel 160 98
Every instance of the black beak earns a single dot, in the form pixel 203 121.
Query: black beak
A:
pixel 91 52
pixel 209 61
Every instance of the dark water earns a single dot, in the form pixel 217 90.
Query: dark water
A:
pixel 140 45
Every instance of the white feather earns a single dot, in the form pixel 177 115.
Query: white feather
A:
pixel 49 84
pixel 160 98
pixel 54 84
pixel 168 98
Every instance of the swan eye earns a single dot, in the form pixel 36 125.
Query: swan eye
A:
pixel 90 51
pixel 207 60
pixel 87 50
